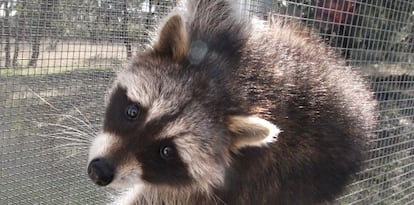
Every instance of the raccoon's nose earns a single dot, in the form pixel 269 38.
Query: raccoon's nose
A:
pixel 101 172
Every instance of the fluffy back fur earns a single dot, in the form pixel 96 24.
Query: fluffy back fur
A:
pixel 221 112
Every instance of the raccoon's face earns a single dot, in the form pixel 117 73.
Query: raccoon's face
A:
pixel 166 125
pixel 156 132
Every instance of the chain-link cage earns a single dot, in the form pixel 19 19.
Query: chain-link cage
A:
pixel 57 59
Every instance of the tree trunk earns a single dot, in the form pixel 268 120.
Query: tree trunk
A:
pixel 41 26
pixel 148 22
pixel 19 30
pixel 35 51
pixel 1 36
pixel 7 33
pixel 124 29
pixel 16 50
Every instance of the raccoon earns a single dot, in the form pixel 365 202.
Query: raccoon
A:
pixel 220 110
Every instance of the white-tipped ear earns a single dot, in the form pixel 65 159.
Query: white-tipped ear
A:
pixel 251 131
pixel 173 39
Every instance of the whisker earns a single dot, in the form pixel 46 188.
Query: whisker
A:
pixel 65 158
pixel 85 118
pixel 86 122
pixel 66 130
pixel 42 99
pixel 68 145
pixel 59 136
pixel 65 127
pixel 75 120
pixel 79 133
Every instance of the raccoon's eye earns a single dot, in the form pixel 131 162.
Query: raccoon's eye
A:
pixel 132 111
pixel 167 152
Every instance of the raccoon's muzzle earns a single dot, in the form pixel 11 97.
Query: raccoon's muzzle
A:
pixel 101 171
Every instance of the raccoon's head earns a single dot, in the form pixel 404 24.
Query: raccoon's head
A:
pixel 170 123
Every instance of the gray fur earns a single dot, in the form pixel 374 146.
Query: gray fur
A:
pixel 322 106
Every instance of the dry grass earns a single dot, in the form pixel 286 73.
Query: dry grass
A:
pixel 387 69
pixel 65 56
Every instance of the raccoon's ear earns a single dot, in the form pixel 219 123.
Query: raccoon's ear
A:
pixel 251 131
pixel 173 39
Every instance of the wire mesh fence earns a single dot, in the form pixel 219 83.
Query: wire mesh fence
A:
pixel 57 59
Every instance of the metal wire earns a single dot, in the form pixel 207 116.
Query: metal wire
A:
pixel 57 59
